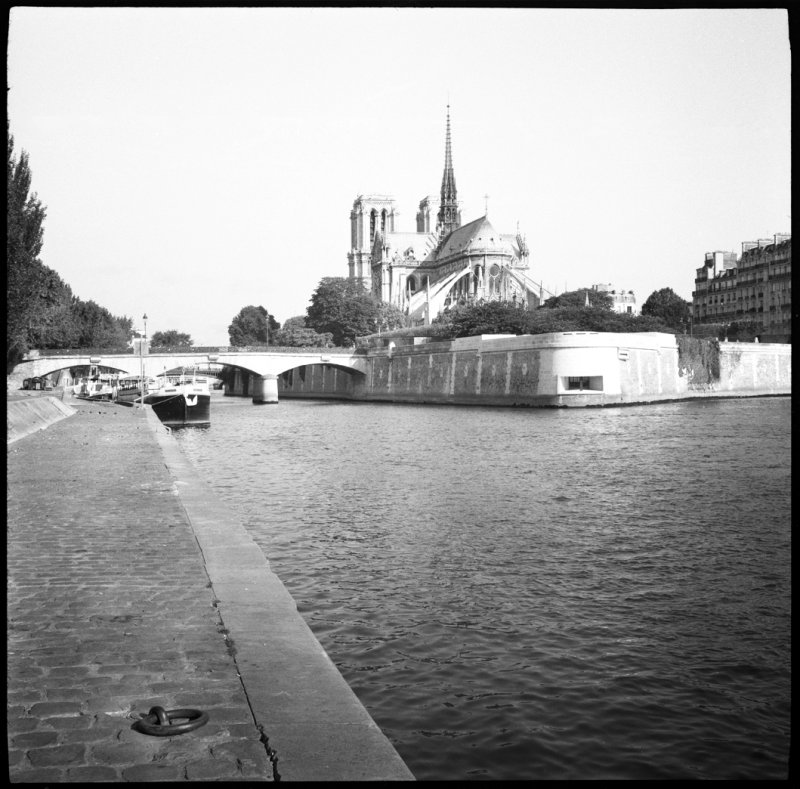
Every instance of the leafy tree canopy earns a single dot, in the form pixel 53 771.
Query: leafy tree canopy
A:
pixel 41 310
pixel 98 328
pixel 742 331
pixel 171 339
pixel 24 237
pixel 343 308
pixel 295 336
pixel 667 305
pixel 578 298
pixel 252 326
pixel 54 323
pixel 492 317
pixel 295 322
pixel 505 318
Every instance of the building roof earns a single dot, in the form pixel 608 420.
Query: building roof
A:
pixel 476 236
pixel 416 246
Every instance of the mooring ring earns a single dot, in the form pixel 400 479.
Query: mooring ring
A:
pixel 161 714
pixel 158 722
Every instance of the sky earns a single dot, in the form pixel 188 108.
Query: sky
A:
pixel 194 161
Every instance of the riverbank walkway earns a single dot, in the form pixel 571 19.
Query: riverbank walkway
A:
pixel 130 586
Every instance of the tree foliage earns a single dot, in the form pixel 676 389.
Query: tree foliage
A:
pixel 41 310
pixel 492 317
pixel 667 305
pixel 24 237
pixel 171 339
pixel 343 308
pixel 295 334
pixel 744 330
pixel 54 324
pixel 507 318
pixel 98 328
pixel 252 326
pixel 578 298
pixel 295 322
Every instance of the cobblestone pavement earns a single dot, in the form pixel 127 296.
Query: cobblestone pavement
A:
pixel 110 612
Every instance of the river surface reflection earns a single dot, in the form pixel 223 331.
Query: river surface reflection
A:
pixel 542 594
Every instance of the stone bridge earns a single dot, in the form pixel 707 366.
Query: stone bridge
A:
pixel 263 365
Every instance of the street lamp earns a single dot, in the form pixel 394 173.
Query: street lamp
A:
pixel 141 363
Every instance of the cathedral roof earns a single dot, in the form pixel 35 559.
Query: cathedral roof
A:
pixel 415 246
pixel 476 236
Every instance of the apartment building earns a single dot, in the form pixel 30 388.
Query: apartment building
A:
pixel 755 285
pixel 623 301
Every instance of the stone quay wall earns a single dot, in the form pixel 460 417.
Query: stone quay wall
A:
pixel 26 415
pixel 131 585
pixel 566 369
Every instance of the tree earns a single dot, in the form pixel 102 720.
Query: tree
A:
pixel 296 322
pixel 492 317
pixel 671 308
pixel 98 328
pixel 252 326
pixel 295 334
pixel 24 237
pixel 342 307
pixel 54 324
pixel 391 317
pixel 743 330
pixel 578 298
pixel 504 318
pixel 170 339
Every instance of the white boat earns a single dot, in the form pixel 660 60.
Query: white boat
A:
pixel 96 387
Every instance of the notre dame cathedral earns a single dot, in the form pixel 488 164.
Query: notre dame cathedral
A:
pixel 444 262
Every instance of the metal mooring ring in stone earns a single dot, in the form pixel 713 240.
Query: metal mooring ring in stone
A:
pixel 159 722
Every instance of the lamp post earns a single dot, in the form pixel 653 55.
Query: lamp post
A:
pixel 142 385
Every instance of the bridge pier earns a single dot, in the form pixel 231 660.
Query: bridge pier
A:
pixel 265 389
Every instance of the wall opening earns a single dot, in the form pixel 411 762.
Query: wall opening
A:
pixel 582 383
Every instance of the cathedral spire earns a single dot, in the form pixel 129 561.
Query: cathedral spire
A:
pixel 449 217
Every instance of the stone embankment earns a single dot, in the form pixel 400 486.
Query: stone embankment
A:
pixel 131 586
pixel 27 413
pixel 561 369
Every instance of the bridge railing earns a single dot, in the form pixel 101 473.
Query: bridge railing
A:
pixel 35 353
pixel 190 351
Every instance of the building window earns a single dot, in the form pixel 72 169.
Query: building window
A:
pixel 577 382
pixel 581 383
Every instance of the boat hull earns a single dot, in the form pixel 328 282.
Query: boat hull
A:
pixel 178 401
pixel 180 410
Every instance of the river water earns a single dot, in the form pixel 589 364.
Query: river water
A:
pixel 535 593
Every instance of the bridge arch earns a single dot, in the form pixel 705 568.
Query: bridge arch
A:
pixel 256 368
pixel 320 381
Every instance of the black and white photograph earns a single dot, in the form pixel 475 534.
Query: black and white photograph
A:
pixel 398 394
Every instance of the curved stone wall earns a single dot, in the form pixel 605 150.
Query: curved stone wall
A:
pixel 26 415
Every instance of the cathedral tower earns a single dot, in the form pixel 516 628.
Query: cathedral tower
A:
pixel 449 217
pixel 371 214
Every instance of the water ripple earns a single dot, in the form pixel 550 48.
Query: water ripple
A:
pixel 535 594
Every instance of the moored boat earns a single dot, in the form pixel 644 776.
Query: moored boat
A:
pixel 178 400
pixel 96 387
pixel 128 389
